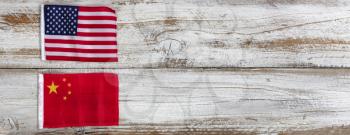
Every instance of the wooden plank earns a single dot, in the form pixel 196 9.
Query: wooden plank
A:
pixel 206 33
pixel 191 35
pixel 179 100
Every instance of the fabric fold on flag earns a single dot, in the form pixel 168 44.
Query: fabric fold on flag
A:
pixel 79 99
pixel 78 33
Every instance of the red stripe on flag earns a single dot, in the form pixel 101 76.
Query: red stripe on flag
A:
pixel 66 58
pixel 96 34
pixel 97 18
pixel 97 26
pixel 54 49
pixel 81 42
pixel 96 9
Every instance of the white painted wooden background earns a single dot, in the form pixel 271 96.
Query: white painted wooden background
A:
pixel 198 66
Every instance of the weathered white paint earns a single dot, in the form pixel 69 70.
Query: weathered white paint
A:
pixel 260 100
pixel 191 33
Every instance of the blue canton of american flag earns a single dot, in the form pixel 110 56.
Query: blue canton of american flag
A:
pixel 79 33
pixel 61 20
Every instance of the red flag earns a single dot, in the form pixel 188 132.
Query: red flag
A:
pixel 79 33
pixel 73 100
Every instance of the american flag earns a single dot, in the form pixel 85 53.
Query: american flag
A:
pixel 79 33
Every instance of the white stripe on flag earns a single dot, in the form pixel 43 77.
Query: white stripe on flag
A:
pixel 80 38
pixel 80 46
pixel 107 30
pixel 81 13
pixel 86 55
pixel 97 22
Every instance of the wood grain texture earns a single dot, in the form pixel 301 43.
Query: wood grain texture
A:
pixel 193 33
pixel 258 101
pixel 198 67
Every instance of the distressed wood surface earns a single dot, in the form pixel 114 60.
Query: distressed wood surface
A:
pixel 258 101
pixel 197 33
pixel 198 67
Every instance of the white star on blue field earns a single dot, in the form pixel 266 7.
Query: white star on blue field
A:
pixel 60 20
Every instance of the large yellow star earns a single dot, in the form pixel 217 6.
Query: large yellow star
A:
pixel 53 88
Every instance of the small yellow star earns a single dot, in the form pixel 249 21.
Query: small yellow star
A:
pixel 53 88
pixel 64 98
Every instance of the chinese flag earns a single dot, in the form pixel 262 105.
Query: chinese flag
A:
pixel 74 100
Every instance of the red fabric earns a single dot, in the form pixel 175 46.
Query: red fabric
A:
pixel 101 9
pixel 80 42
pixel 82 59
pixel 89 99
pixel 82 50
